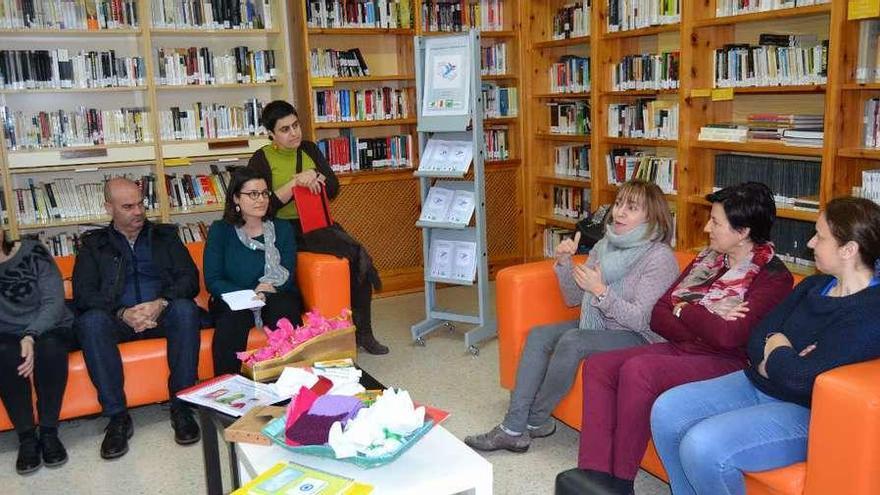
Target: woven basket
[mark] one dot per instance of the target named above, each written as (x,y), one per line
(337,344)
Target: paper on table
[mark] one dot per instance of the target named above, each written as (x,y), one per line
(242,299)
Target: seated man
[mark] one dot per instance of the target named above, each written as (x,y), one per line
(135,280)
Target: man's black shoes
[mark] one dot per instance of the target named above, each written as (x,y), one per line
(54,453)
(186,430)
(118,431)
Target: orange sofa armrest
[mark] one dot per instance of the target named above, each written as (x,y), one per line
(844,449)
(526,296)
(323,280)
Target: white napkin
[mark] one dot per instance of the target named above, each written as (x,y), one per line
(292,379)
(365,433)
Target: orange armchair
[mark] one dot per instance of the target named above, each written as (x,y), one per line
(324,283)
(844,447)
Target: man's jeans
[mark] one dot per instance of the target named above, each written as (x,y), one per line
(99,332)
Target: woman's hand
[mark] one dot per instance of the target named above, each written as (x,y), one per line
(262,289)
(310,179)
(567,248)
(26,368)
(773,342)
(589,279)
(735,312)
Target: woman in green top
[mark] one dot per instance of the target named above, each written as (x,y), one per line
(290,161)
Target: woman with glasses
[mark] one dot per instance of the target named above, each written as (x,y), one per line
(249,249)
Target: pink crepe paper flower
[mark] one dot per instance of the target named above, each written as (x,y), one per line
(285,338)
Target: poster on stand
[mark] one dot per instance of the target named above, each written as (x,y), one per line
(447,79)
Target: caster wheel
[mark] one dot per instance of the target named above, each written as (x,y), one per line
(420,342)
(474,350)
(450,327)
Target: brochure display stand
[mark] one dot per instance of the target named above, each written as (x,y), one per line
(450,127)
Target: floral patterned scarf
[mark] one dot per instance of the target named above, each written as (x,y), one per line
(703,285)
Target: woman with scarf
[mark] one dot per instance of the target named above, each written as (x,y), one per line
(706,318)
(249,249)
(628,269)
(707,433)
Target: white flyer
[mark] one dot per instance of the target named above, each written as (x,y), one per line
(465,265)
(436,204)
(462,207)
(441,258)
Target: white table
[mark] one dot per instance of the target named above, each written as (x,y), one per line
(438,464)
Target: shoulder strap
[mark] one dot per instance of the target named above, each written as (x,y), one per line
(299,159)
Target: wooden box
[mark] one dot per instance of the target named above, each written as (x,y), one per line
(338,344)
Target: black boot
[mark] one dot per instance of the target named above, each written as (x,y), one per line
(118,431)
(584,482)
(28,459)
(54,453)
(623,486)
(186,429)
(371,345)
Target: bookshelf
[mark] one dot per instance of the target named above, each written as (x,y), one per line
(695,32)
(379,206)
(222,135)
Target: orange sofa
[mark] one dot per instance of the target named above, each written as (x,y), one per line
(323,280)
(844,448)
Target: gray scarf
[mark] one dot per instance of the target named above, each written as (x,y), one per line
(273,273)
(616,254)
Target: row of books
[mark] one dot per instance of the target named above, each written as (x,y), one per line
(572,160)
(790,238)
(354,105)
(61,69)
(202,66)
(211,121)
(66,198)
(455,260)
(768,126)
(350,153)
(487,15)
(625,15)
(212,14)
(188,190)
(871,119)
(553,237)
(69,14)
(67,243)
(794,182)
(327,62)
(359,14)
(771,64)
(625,164)
(192,231)
(441,15)
(497,143)
(78,127)
(570,117)
(646,71)
(571,74)
(644,119)
(499,101)
(870,188)
(493,59)
(571,202)
(868,59)
(571,21)
(725,8)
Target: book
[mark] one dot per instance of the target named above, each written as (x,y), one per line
(230,394)
(290,477)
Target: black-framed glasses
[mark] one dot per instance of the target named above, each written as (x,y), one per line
(255,195)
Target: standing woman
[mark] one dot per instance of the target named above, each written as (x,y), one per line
(249,249)
(34,324)
(707,433)
(289,161)
(628,269)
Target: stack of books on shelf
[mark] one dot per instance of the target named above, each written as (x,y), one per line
(777,60)
(724,131)
(790,239)
(192,231)
(724,8)
(202,66)
(350,153)
(211,121)
(78,127)
(499,101)
(487,15)
(625,164)
(212,14)
(387,14)
(625,15)
(356,105)
(646,71)
(571,202)
(65,198)
(493,59)
(497,143)
(572,21)
(441,15)
(188,190)
(453,260)
(570,117)
(571,74)
(64,69)
(328,62)
(572,161)
(63,244)
(870,188)
(794,182)
(644,119)
(55,14)
(775,125)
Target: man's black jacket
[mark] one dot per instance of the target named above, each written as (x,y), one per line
(99,270)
